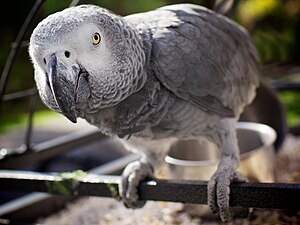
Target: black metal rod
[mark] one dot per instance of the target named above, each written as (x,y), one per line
(29,202)
(256,195)
(31,111)
(74,3)
(13,53)
(19,94)
(286,86)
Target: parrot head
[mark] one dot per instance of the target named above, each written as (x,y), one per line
(85,59)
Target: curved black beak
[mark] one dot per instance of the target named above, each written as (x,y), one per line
(62,89)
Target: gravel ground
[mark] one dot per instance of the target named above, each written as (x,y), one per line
(98,211)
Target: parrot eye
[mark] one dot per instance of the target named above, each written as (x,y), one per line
(96,39)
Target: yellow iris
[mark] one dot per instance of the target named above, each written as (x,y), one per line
(96,39)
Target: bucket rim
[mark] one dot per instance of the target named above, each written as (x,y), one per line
(267,133)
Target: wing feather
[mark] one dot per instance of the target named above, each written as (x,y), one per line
(201,56)
(206,59)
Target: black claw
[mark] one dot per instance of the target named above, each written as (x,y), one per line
(215,211)
(134,205)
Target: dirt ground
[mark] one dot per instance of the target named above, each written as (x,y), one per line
(98,211)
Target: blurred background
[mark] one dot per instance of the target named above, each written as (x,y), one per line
(273,24)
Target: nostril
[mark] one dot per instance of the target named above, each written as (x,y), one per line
(45,61)
(67,54)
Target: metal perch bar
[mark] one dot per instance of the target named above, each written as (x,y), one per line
(256,195)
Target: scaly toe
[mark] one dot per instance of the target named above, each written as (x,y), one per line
(218,195)
(211,195)
(132,176)
(238,177)
(223,191)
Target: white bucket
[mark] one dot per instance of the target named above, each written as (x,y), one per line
(198,159)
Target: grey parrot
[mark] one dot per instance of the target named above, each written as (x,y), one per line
(150,79)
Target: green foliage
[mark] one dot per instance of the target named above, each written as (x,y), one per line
(19,119)
(120,7)
(53,6)
(291,100)
(126,7)
(275,46)
(114,190)
(11,120)
(275,26)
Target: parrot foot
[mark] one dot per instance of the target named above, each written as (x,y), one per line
(133,174)
(219,190)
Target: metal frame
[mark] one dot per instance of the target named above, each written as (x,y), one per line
(254,195)
(39,201)
(18,158)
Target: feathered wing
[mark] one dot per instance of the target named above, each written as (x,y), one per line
(204,58)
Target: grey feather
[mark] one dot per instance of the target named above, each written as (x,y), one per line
(200,56)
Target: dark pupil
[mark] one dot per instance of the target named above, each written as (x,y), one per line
(96,37)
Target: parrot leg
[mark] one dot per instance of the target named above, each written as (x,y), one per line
(219,183)
(219,188)
(154,152)
(133,174)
